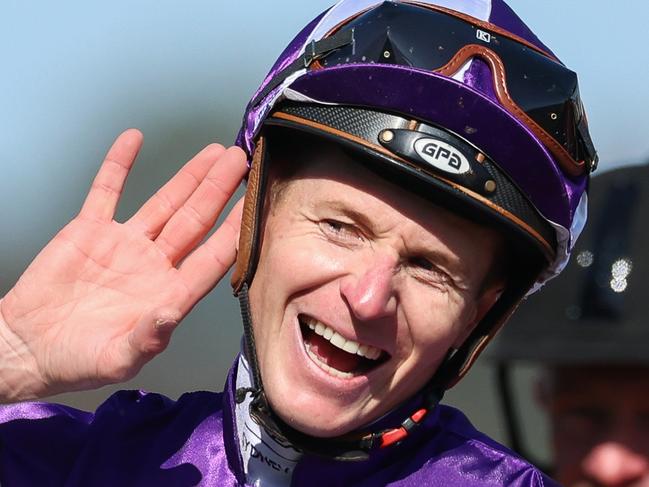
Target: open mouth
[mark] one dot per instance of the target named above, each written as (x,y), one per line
(335,354)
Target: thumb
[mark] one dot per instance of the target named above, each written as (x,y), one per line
(152,333)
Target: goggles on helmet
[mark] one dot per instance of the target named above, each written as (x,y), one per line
(530,83)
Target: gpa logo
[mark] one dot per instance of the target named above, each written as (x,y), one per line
(441,155)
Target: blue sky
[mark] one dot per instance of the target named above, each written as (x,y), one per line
(75,73)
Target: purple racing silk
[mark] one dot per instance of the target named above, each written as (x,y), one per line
(140,439)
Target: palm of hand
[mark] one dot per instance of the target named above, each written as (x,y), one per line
(102,298)
(85,293)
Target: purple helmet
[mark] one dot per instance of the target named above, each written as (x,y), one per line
(457,100)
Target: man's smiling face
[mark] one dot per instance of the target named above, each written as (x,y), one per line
(360,290)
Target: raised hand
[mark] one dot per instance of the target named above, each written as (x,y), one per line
(102,298)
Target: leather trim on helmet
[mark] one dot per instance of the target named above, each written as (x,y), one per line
(251,209)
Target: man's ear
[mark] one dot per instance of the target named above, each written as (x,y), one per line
(480,308)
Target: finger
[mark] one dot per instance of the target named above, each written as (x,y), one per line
(207,265)
(197,216)
(153,215)
(101,202)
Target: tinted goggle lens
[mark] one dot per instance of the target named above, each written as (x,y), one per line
(423,38)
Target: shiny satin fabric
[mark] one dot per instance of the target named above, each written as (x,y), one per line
(140,439)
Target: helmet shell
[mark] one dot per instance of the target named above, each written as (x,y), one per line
(595,312)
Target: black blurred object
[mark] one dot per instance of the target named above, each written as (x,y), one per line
(596,310)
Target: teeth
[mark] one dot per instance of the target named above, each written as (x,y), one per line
(374,353)
(337,340)
(341,342)
(319,328)
(351,346)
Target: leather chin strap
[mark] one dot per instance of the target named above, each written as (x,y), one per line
(253,204)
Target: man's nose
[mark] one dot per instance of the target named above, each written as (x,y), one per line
(370,288)
(613,464)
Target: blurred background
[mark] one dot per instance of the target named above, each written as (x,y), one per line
(75,74)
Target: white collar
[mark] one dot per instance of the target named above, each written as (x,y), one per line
(266,462)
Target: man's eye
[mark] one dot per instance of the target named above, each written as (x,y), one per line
(340,230)
(426,270)
(421,263)
(334,226)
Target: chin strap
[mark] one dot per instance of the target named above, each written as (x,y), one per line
(352,447)
(249,342)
